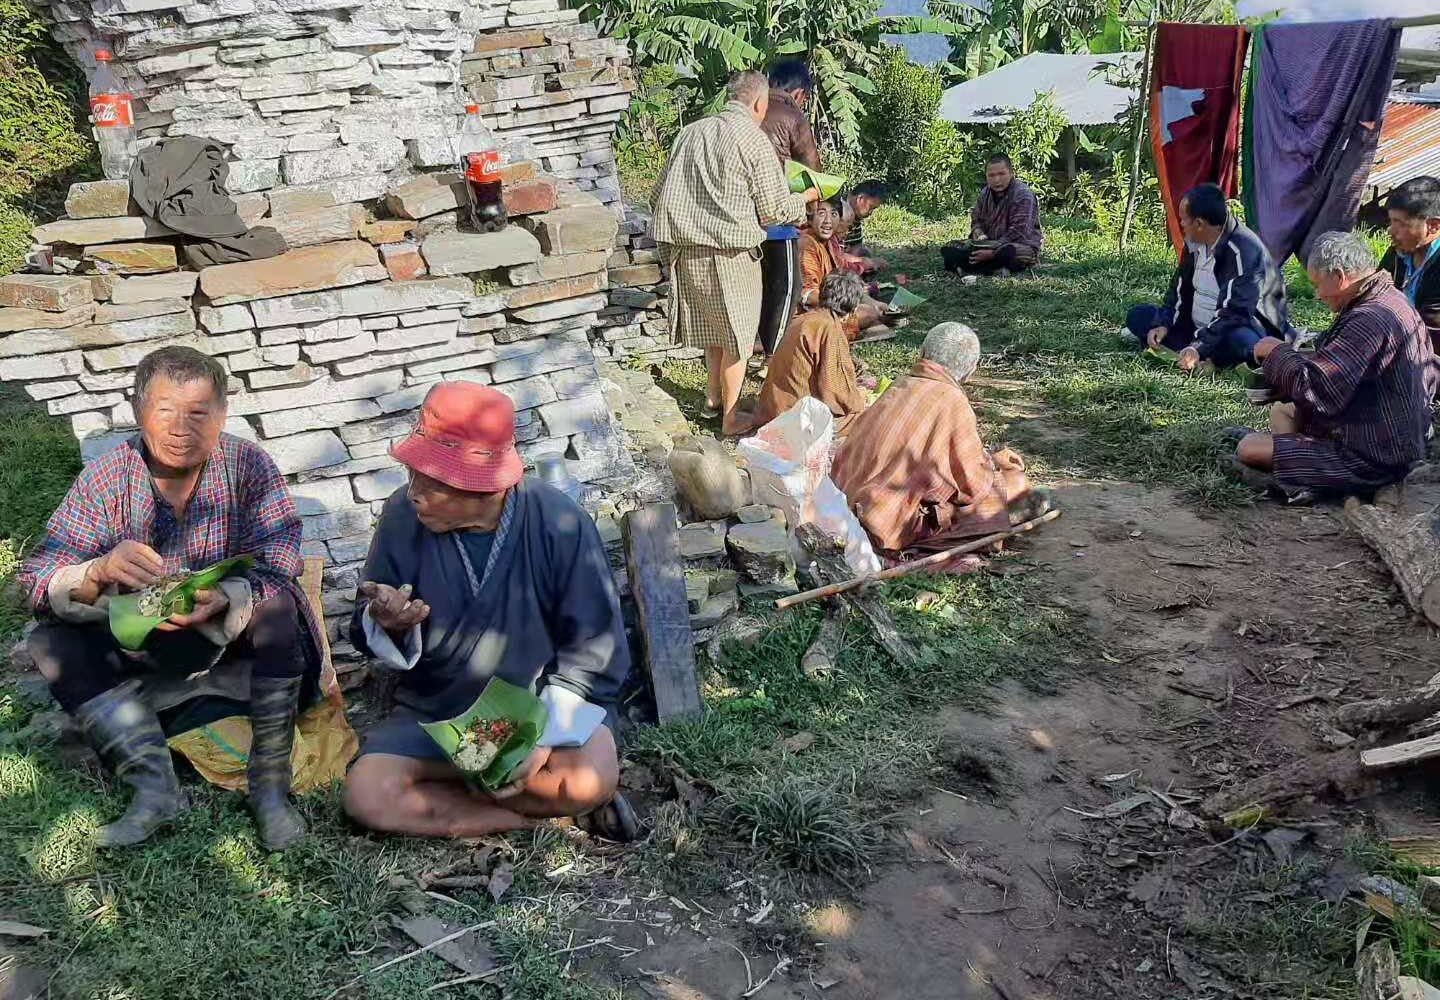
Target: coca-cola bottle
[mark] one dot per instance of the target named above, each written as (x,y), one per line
(480,163)
(114,119)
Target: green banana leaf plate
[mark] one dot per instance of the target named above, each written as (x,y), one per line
(499,700)
(905,299)
(131,628)
(802,178)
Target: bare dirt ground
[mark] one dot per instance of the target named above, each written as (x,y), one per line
(1060,853)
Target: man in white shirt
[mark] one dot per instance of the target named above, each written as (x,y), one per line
(1225,296)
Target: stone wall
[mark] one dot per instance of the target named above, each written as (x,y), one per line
(332,113)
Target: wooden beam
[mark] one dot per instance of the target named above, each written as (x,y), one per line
(1409,752)
(1422,852)
(657,582)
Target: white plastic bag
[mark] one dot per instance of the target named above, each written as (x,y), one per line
(789,463)
(789,456)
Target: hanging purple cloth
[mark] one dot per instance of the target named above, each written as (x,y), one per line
(1319,95)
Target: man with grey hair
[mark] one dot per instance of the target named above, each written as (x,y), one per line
(178,496)
(721,187)
(1353,415)
(814,357)
(913,466)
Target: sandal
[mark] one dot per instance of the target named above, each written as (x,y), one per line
(615,820)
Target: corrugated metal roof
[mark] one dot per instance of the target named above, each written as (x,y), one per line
(1409,144)
(1077,81)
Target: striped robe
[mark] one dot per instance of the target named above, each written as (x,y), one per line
(1359,399)
(916,473)
(720,188)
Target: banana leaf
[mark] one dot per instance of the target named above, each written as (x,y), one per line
(131,628)
(905,299)
(499,700)
(802,178)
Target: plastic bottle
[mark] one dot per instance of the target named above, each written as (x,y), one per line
(480,162)
(114,120)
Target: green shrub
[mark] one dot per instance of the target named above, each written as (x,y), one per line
(44,142)
(1031,137)
(949,169)
(898,118)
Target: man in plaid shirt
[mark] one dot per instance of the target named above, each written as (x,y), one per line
(721,187)
(178,496)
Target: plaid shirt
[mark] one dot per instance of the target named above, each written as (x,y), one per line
(1013,217)
(240,507)
(722,185)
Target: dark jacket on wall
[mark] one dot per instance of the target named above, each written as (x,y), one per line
(788,129)
(1252,290)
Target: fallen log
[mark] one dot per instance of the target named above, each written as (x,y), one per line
(1391,711)
(820,659)
(1376,972)
(1338,774)
(1409,752)
(1407,537)
(825,564)
(847,582)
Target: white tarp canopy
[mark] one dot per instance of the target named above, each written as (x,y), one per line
(1081,85)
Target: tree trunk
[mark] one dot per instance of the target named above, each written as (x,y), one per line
(1338,773)
(820,659)
(1392,711)
(825,563)
(1409,544)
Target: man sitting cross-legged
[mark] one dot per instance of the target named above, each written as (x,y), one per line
(476,573)
(1226,294)
(1005,234)
(178,496)
(1354,414)
(814,358)
(913,466)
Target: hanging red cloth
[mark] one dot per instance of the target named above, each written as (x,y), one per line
(1195,110)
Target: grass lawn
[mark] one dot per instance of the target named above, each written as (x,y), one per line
(203,908)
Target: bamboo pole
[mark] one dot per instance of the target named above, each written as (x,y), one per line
(938,559)
(1139,130)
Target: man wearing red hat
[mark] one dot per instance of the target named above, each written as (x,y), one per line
(475,573)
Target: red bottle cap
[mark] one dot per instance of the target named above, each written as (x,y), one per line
(103,55)
(472,109)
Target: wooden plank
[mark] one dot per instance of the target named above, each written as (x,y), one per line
(310,578)
(1392,900)
(1409,752)
(657,583)
(1420,851)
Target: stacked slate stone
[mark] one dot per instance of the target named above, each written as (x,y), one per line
(330,112)
(343,95)
(332,345)
(636,322)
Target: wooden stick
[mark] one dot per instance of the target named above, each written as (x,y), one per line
(1139,136)
(938,559)
(483,925)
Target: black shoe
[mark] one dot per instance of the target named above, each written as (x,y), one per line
(273,704)
(126,734)
(615,820)
(1257,479)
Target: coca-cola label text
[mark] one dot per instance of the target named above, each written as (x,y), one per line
(111,111)
(483,168)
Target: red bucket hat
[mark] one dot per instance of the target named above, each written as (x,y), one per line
(465,438)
